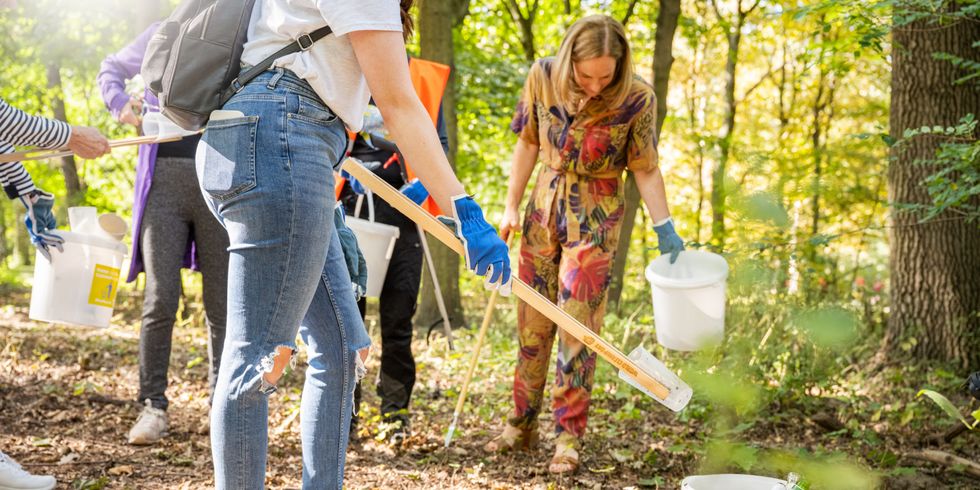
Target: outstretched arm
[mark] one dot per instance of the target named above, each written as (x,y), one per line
(20,128)
(119,67)
(381,55)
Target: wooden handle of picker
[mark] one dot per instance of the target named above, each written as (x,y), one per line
(63,152)
(533,298)
(487,317)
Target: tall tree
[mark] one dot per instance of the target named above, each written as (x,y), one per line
(822,112)
(437,20)
(523,16)
(68,168)
(732,26)
(663,59)
(935,266)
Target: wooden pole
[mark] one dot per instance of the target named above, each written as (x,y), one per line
(487,316)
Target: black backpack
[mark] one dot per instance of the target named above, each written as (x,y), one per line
(193,61)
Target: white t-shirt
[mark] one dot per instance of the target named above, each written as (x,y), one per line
(329,66)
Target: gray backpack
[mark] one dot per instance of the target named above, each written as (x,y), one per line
(193,61)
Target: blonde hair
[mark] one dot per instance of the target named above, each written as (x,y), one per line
(588,38)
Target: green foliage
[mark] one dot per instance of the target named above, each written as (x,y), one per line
(91,484)
(868,20)
(954,185)
(70,38)
(950,409)
(833,328)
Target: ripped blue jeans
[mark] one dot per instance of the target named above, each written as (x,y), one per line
(268,177)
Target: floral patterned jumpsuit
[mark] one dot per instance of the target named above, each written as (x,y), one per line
(571,228)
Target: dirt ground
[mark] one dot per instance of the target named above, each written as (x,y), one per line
(66,404)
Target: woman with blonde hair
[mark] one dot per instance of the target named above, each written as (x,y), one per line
(588,118)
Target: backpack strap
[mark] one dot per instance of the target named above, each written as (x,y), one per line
(302,43)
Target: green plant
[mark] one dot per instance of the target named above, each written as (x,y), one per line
(954,186)
(950,409)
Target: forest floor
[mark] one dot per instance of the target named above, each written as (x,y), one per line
(66,405)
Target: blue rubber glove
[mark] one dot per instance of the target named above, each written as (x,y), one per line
(668,241)
(40,221)
(485,253)
(415,191)
(356,266)
(355,186)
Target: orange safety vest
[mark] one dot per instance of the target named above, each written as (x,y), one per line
(430,80)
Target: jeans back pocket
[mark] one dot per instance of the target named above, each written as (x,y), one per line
(313,112)
(227,166)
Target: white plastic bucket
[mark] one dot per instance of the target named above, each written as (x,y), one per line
(733,482)
(78,286)
(689,299)
(377,242)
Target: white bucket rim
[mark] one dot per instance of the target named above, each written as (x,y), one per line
(373,227)
(768,480)
(672,283)
(91,240)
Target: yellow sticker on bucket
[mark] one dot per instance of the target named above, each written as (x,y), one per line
(105,280)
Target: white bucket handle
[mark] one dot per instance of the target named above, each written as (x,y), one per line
(391,248)
(370,201)
(357,212)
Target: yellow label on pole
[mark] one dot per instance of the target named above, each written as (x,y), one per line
(105,281)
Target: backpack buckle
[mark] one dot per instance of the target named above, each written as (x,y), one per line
(236,86)
(304,42)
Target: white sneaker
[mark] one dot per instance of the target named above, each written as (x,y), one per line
(14,477)
(150,427)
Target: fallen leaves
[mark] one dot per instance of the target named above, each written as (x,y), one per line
(121,470)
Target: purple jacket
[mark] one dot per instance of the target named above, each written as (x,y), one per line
(116,69)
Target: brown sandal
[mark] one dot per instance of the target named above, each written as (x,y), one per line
(565,459)
(512,439)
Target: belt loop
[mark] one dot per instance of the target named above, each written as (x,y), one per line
(275,78)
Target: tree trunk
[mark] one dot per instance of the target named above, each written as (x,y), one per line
(815,140)
(935,267)
(663,58)
(629,12)
(718,192)
(436,21)
(525,22)
(68,168)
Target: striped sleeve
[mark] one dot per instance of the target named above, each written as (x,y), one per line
(20,128)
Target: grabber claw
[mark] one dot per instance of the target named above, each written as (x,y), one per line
(680,392)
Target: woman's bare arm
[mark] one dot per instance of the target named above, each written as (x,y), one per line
(522,164)
(381,55)
(651,186)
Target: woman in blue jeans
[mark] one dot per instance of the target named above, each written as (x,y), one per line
(265,166)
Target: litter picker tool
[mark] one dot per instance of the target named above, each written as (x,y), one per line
(640,369)
(157,130)
(487,316)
